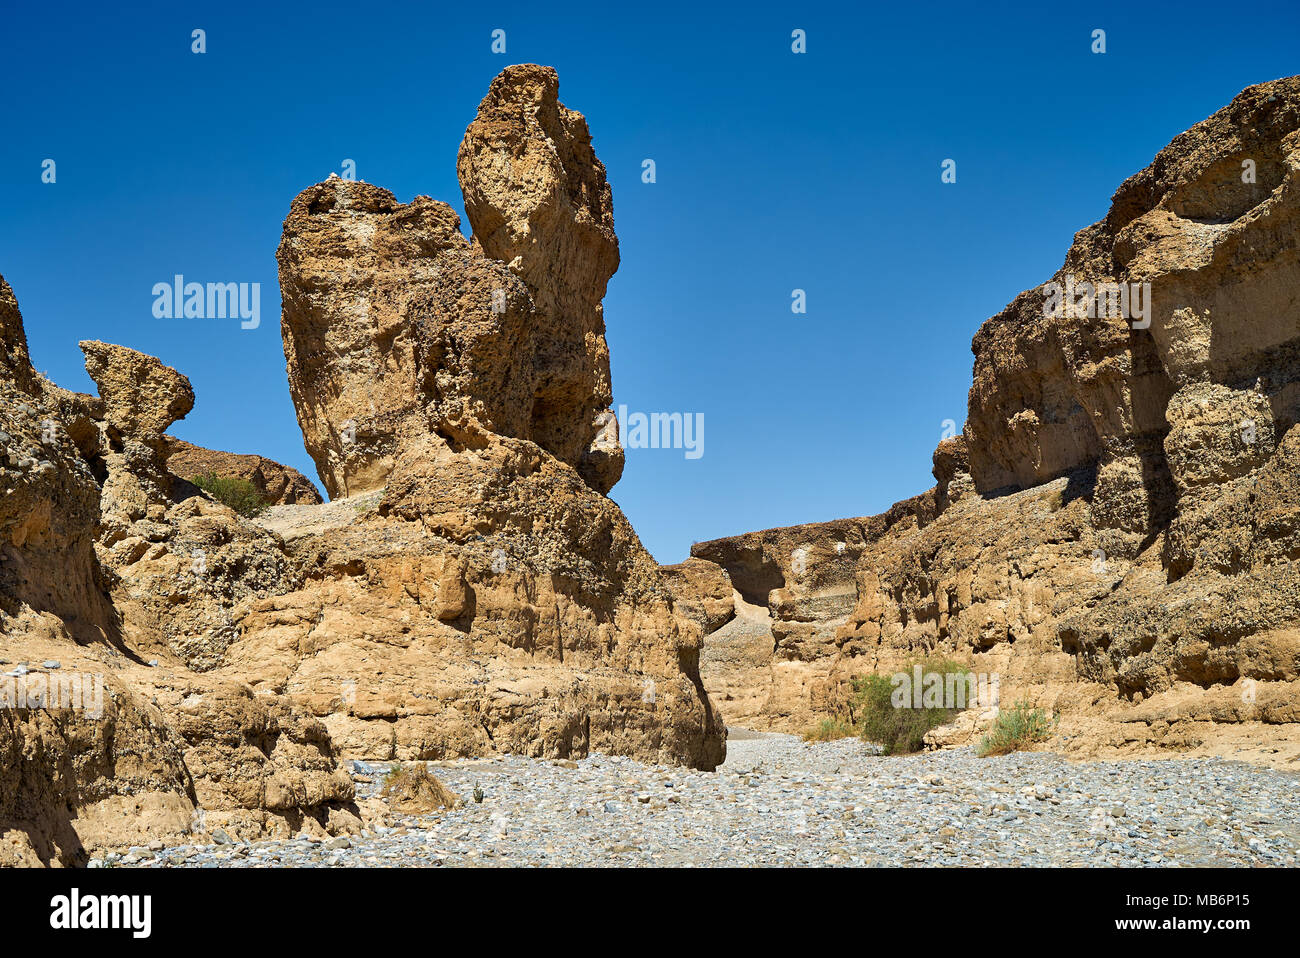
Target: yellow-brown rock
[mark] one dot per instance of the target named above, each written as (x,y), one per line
(478,592)
(278,485)
(538,200)
(1115,533)
(98,749)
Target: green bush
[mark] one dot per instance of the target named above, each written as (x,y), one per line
(240,494)
(900,729)
(1016,728)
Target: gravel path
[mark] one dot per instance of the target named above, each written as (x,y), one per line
(780,801)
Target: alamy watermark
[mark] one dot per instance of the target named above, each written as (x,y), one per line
(1075,300)
(79,691)
(181,300)
(661,430)
(75,911)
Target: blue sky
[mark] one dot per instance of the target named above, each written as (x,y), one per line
(775,171)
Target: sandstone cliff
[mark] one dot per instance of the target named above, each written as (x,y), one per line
(1115,532)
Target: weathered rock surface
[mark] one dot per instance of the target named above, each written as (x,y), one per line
(702,590)
(471,591)
(794,587)
(278,485)
(98,749)
(538,200)
(1211,226)
(479,592)
(1114,533)
(395,326)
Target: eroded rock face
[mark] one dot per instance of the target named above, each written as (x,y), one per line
(487,600)
(1211,225)
(15,364)
(278,485)
(794,586)
(97,749)
(140,397)
(538,200)
(396,326)
(703,591)
(49,508)
(481,594)
(1114,534)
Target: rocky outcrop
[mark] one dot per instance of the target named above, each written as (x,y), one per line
(537,198)
(140,398)
(395,326)
(99,748)
(1203,242)
(15,365)
(49,578)
(1113,534)
(277,485)
(794,586)
(478,592)
(702,590)
(469,590)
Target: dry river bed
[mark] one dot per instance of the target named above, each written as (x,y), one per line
(781,801)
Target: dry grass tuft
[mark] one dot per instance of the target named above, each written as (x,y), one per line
(412,788)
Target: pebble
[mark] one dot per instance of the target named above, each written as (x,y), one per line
(781,801)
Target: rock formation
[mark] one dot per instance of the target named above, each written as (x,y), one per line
(469,590)
(478,591)
(278,485)
(703,592)
(97,747)
(539,202)
(1114,533)
(1211,226)
(397,327)
(793,588)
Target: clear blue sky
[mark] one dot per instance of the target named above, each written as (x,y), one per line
(775,171)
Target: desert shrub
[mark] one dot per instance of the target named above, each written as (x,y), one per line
(1014,729)
(828,730)
(414,788)
(900,728)
(239,494)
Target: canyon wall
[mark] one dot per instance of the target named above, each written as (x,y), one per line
(1115,532)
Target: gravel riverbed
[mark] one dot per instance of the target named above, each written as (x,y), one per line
(781,801)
